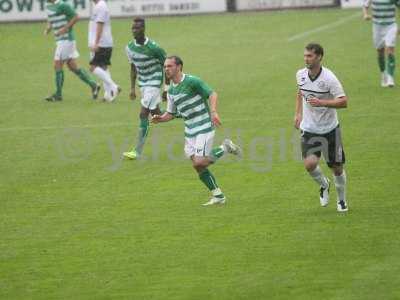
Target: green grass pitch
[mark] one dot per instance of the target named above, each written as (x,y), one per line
(77,222)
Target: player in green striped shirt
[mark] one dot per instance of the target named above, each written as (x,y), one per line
(196,102)
(384,35)
(147,61)
(61,19)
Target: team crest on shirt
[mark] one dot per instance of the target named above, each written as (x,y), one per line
(322,85)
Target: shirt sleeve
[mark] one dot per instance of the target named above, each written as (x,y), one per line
(202,88)
(171,107)
(366,3)
(335,87)
(67,9)
(102,15)
(160,54)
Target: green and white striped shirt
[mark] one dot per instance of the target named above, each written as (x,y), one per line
(149,62)
(59,14)
(383,11)
(189,98)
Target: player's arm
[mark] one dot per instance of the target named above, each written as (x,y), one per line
(47,29)
(162,56)
(99,32)
(213,99)
(339,102)
(73,18)
(168,115)
(366,5)
(132,94)
(165,117)
(298,116)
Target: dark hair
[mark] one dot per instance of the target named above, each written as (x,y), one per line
(177,59)
(139,20)
(316,48)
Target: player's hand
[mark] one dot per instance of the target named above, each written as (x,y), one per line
(62,31)
(215,119)
(164,96)
(297,121)
(155,119)
(132,94)
(367,17)
(315,102)
(94,48)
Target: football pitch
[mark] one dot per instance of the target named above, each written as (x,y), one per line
(79,222)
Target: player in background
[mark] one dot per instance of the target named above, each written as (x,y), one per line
(146,58)
(61,18)
(319,95)
(101,44)
(384,34)
(196,103)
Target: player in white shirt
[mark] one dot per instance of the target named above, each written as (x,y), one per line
(100,44)
(319,95)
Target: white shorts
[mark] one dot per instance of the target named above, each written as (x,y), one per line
(384,35)
(151,97)
(66,50)
(200,145)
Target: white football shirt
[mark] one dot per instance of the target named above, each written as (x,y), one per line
(100,14)
(325,85)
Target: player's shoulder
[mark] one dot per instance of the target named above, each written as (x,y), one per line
(192,78)
(152,44)
(301,75)
(301,72)
(130,46)
(328,74)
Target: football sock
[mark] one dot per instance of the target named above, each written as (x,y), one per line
(85,77)
(105,76)
(381,62)
(391,64)
(340,183)
(142,134)
(217,153)
(319,177)
(209,181)
(59,82)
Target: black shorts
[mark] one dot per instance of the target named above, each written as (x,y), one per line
(102,57)
(329,144)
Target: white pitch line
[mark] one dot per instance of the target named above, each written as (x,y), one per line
(324,27)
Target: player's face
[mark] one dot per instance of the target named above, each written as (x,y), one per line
(171,68)
(311,59)
(138,30)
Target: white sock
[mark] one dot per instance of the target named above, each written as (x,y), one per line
(340,183)
(319,177)
(105,77)
(216,192)
(106,86)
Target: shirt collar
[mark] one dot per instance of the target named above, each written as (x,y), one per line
(182,79)
(146,40)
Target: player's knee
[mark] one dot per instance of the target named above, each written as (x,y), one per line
(198,165)
(144,114)
(337,170)
(310,165)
